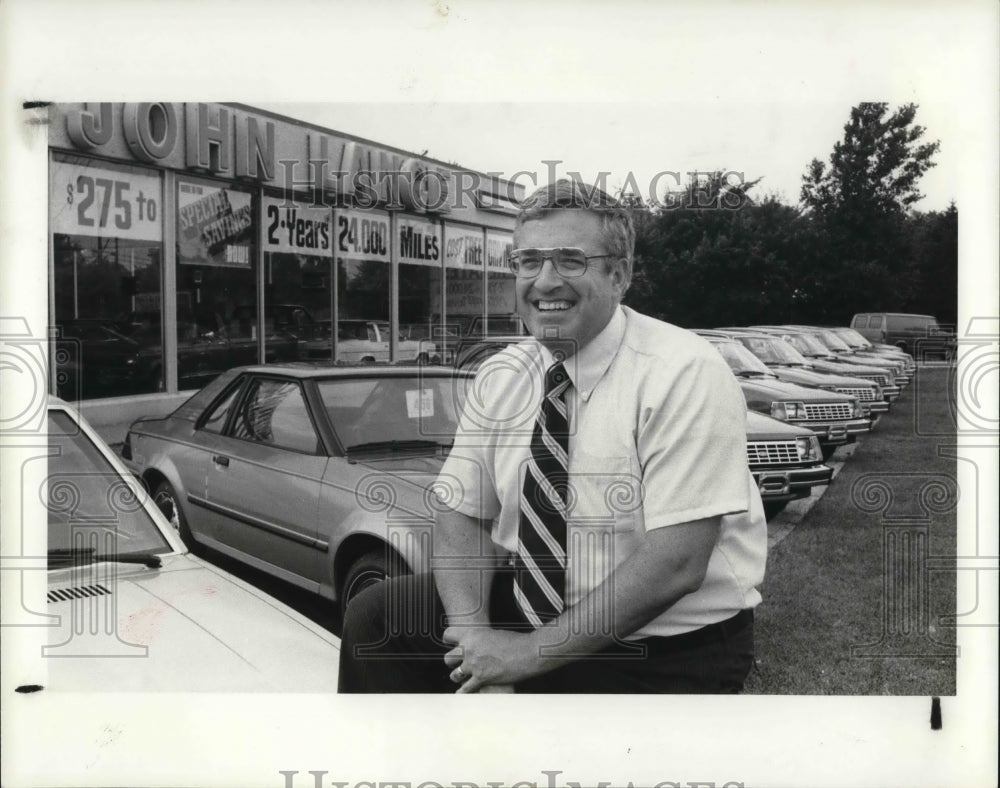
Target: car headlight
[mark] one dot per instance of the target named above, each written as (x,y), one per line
(788,410)
(808,448)
(858,410)
(878,392)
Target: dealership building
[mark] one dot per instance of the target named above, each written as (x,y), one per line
(186,239)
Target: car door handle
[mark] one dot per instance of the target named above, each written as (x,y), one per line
(219,459)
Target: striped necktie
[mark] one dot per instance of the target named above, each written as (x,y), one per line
(540,560)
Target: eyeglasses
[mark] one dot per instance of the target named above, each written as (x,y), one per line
(569,261)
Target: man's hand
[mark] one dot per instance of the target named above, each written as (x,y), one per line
(489,658)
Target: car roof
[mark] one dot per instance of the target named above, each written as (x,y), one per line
(306,371)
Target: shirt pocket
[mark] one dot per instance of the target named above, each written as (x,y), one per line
(605,492)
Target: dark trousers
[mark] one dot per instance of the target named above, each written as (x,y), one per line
(392,642)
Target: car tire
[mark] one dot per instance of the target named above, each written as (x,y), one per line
(772,508)
(422,360)
(166,500)
(371,568)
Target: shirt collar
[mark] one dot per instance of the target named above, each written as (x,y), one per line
(587,367)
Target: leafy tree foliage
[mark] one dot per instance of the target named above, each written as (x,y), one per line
(714,255)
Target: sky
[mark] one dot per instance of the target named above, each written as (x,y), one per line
(653,144)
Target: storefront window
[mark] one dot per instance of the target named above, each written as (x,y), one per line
(107,230)
(363,287)
(419,254)
(501,304)
(216,281)
(297,240)
(464,278)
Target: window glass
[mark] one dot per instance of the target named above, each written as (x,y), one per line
(216,281)
(465,281)
(500,300)
(394,409)
(107,230)
(216,420)
(361,246)
(875,321)
(419,253)
(297,240)
(274,413)
(89,504)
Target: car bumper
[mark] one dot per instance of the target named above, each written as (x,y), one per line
(835,433)
(787,484)
(890,393)
(875,409)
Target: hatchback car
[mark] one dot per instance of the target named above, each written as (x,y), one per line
(132,610)
(318,476)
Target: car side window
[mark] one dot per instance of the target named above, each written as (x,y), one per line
(215,421)
(274,413)
(860,321)
(875,321)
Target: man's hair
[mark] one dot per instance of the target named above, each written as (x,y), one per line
(563,194)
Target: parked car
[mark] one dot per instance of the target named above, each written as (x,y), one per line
(842,350)
(315,475)
(836,419)
(367,342)
(792,367)
(133,610)
(823,360)
(861,345)
(919,335)
(786,461)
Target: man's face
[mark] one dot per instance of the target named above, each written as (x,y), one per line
(565,313)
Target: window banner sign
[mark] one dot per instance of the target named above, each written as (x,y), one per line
(498,246)
(463,247)
(295,228)
(214,226)
(361,235)
(418,241)
(104,203)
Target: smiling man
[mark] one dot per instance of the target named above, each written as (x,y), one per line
(600,530)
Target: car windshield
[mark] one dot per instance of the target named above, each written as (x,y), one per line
(853,338)
(91,509)
(787,352)
(808,344)
(740,360)
(832,341)
(382,411)
(772,350)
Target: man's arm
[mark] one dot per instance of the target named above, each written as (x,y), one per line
(463,565)
(670,564)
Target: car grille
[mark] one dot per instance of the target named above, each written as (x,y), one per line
(771,452)
(865,394)
(831,410)
(882,380)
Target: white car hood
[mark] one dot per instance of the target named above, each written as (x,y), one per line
(183,627)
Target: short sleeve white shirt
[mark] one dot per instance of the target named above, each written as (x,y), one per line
(657,437)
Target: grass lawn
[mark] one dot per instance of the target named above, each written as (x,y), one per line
(854,573)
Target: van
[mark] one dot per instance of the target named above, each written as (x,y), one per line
(918,335)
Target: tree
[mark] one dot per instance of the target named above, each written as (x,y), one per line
(860,203)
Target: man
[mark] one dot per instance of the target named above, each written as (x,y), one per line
(605,458)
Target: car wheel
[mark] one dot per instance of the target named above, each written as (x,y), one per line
(367,361)
(371,568)
(771,508)
(166,500)
(423,360)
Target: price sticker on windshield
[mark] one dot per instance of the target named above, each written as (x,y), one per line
(100,202)
(420,403)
